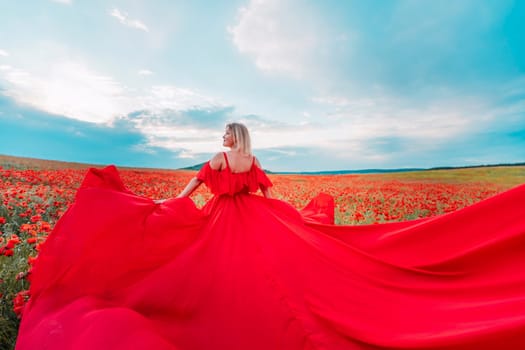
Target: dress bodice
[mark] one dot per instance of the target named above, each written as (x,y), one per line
(225,181)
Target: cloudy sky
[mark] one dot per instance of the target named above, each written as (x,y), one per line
(322,85)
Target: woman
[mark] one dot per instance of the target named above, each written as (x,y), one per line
(248,272)
(241,161)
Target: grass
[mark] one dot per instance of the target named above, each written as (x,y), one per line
(506,176)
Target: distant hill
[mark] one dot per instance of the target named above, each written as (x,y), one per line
(342,172)
(478,166)
(195,167)
(400,170)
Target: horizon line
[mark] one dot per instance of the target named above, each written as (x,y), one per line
(196,167)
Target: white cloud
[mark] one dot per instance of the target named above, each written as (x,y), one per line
(67,2)
(73,90)
(70,89)
(162,97)
(124,19)
(182,132)
(196,131)
(144,72)
(342,125)
(168,120)
(4,53)
(373,131)
(365,119)
(277,35)
(186,138)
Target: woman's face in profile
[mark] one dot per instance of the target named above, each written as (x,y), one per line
(227,138)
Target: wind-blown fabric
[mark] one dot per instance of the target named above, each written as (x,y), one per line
(246,272)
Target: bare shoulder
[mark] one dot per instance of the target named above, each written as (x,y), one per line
(217,161)
(256,161)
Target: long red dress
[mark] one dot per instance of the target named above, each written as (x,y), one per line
(246,272)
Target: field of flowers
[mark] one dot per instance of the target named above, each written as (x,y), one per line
(34,196)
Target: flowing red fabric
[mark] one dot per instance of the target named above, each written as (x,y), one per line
(246,272)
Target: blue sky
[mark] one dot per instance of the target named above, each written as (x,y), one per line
(322,85)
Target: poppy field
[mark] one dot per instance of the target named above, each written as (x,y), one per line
(35,194)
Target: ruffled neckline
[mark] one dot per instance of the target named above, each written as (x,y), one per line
(225,181)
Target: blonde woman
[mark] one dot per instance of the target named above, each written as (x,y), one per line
(238,168)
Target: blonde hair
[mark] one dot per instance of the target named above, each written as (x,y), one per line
(241,137)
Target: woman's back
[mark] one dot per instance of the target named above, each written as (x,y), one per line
(234,161)
(237,162)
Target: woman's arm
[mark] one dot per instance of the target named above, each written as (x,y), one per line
(216,162)
(188,190)
(265,190)
(190,187)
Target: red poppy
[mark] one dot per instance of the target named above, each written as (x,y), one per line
(31,240)
(36,218)
(19,302)
(9,252)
